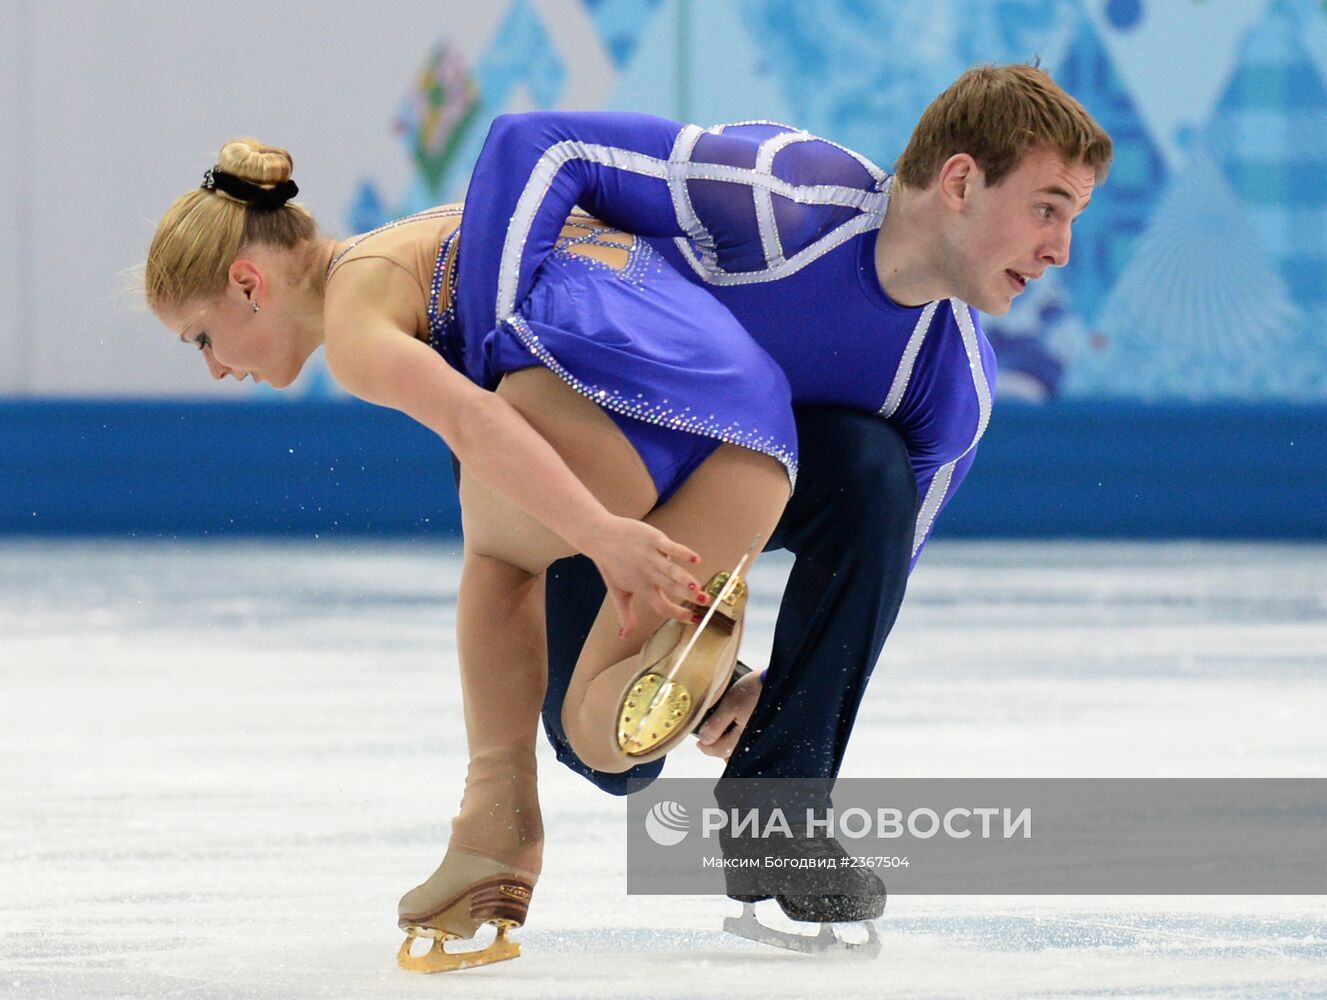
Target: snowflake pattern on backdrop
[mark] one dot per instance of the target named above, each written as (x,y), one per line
(438,111)
(1199,293)
(1148,306)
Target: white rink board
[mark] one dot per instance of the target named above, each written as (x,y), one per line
(222,764)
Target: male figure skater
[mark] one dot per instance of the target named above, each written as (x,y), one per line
(864,287)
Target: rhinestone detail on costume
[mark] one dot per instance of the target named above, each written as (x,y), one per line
(432,213)
(641,257)
(441,323)
(656,413)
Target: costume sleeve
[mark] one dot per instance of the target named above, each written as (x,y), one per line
(533,170)
(718,190)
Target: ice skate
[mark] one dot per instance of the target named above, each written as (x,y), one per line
(467,891)
(740,670)
(829,940)
(686,670)
(843,899)
(490,869)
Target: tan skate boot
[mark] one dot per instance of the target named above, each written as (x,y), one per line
(685,670)
(488,874)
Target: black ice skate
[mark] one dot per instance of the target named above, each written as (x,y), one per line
(838,896)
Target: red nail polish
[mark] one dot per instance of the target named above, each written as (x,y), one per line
(695,619)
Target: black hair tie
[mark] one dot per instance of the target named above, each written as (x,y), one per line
(253,195)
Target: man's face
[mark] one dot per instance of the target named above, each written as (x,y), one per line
(1008,234)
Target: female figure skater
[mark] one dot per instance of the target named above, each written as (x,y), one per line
(611,408)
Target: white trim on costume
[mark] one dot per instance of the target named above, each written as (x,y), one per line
(931,505)
(807,255)
(904,374)
(940,483)
(769,229)
(969,331)
(677,189)
(676,171)
(541,178)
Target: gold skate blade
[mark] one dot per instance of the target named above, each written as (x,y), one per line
(722,593)
(654,710)
(438,959)
(728,589)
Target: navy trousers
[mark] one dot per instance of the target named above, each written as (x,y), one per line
(850,527)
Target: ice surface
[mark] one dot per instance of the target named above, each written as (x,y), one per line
(221,764)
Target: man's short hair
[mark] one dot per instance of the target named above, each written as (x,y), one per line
(995,114)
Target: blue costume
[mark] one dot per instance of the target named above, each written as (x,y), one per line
(674,370)
(779,227)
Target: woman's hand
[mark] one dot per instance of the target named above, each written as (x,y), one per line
(638,560)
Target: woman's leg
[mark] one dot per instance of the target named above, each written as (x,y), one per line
(500,611)
(734,496)
(498,833)
(503,658)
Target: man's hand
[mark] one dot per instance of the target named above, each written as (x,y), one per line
(722,730)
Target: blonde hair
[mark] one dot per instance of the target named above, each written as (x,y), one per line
(995,114)
(202,232)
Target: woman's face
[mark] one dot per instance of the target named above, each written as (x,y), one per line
(265,345)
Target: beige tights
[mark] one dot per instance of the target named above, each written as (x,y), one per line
(733,495)
(500,625)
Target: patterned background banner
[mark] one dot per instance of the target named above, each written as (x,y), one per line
(1200,271)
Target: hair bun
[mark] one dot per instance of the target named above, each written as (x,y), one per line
(251,160)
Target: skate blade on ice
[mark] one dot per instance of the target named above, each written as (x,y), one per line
(826,942)
(438,959)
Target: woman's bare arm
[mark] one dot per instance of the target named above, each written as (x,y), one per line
(372,354)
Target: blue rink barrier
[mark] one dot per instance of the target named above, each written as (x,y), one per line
(167,469)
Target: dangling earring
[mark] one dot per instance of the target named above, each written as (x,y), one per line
(255,307)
